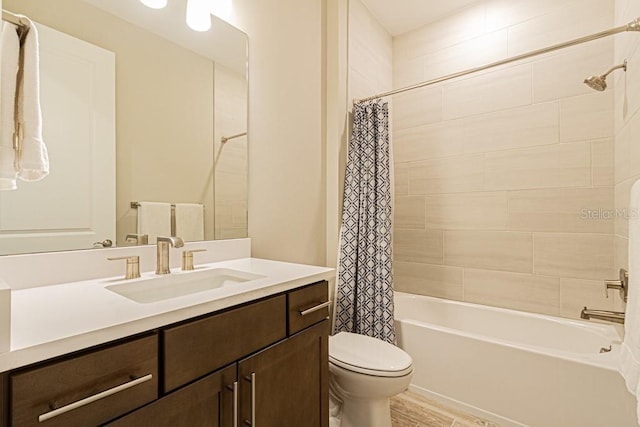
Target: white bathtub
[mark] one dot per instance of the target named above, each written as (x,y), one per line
(514,368)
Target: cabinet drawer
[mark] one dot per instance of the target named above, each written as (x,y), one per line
(87,389)
(197,348)
(302,305)
(206,402)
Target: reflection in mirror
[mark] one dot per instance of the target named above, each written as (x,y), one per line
(175,95)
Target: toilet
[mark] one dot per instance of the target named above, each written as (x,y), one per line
(364,373)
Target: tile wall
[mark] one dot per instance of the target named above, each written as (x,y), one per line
(231,159)
(504,180)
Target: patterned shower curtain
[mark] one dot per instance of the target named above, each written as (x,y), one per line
(364,298)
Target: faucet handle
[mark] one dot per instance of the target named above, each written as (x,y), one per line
(187,259)
(621,285)
(133,266)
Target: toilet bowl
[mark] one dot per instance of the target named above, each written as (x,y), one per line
(364,372)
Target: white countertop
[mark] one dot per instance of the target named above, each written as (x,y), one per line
(53,320)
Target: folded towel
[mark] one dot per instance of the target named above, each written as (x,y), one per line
(630,352)
(189,221)
(32,159)
(9,53)
(154,219)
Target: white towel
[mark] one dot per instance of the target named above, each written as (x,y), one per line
(630,352)
(9,55)
(154,219)
(190,221)
(32,158)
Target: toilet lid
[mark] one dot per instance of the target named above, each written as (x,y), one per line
(367,355)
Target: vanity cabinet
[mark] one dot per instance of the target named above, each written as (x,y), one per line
(87,388)
(206,402)
(264,363)
(286,384)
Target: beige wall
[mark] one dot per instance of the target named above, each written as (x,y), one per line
(287,207)
(231,158)
(164,109)
(627,123)
(493,171)
(370,54)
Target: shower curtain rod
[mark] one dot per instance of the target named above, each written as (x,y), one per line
(631,26)
(14,19)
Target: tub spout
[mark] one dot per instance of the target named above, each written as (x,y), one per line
(609,316)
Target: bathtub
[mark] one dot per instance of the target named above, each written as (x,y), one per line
(514,368)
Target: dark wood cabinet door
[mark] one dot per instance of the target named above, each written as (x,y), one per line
(205,403)
(290,382)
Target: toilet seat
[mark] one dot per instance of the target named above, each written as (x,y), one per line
(369,356)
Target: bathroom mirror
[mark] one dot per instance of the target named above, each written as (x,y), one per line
(177,93)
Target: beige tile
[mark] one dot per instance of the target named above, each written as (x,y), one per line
(577,293)
(418,246)
(525,292)
(602,158)
(622,212)
(454,29)
(506,13)
(622,252)
(580,256)
(493,91)
(427,142)
(409,212)
(407,72)
(634,149)
(401,179)
(425,279)
(561,76)
(231,186)
(587,117)
(448,175)
(493,250)
(417,108)
(569,20)
(559,165)
(468,211)
(522,127)
(632,83)
(475,52)
(585,210)
(622,153)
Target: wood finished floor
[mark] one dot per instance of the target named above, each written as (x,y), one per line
(412,410)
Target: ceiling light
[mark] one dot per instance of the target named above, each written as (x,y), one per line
(199,15)
(154,4)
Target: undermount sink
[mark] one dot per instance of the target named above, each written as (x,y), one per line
(160,288)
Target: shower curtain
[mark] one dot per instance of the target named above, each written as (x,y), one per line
(364,296)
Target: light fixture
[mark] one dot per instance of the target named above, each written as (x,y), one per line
(154,4)
(199,15)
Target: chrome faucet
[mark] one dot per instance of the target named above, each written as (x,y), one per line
(609,316)
(162,262)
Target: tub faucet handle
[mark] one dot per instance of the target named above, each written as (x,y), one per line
(622,285)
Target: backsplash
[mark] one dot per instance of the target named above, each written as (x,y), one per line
(33,270)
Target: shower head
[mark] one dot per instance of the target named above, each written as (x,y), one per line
(599,83)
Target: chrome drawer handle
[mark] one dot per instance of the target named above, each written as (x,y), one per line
(234,388)
(252,380)
(314,308)
(95,397)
